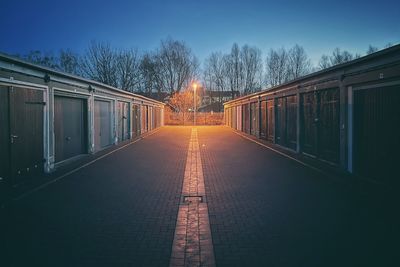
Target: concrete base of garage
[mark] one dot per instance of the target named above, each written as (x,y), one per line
(264,209)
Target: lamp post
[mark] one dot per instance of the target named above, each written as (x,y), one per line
(194,102)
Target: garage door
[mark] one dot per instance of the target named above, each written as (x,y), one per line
(376,133)
(102,124)
(5,179)
(69,127)
(253,118)
(270,120)
(123,121)
(135,121)
(286,121)
(320,124)
(21,138)
(143,114)
(246,118)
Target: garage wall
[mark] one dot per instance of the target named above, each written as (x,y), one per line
(48,118)
(344,116)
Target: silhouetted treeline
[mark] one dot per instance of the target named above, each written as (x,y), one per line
(173,66)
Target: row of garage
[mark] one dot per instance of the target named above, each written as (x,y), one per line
(347,116)
(49,118)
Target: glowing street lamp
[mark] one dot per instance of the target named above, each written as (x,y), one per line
(194,101)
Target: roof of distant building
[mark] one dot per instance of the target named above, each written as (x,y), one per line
(221,93)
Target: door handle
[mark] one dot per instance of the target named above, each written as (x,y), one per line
(68,138)
(13,136)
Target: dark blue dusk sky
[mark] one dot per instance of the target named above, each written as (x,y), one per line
(206,26)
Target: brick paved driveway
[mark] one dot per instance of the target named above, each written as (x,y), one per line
(120,211)
(265,210)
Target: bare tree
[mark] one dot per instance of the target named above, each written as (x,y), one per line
(128,69)
(45,59)
(66,61)
(252,67)
(69,62)
(177,66)
(388,45)
(148,73)
(228,72)
(169,69)
(324,62)
(339,57)
(276,67)
(214,74)
(100,63)
(298,62)
(237,67)
(184,101)
(233,69)
(208,76)
(372,49)
(151,73)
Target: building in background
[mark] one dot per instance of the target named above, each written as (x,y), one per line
(213,100)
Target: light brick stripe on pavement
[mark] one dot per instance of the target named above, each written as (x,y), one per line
(192,245)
